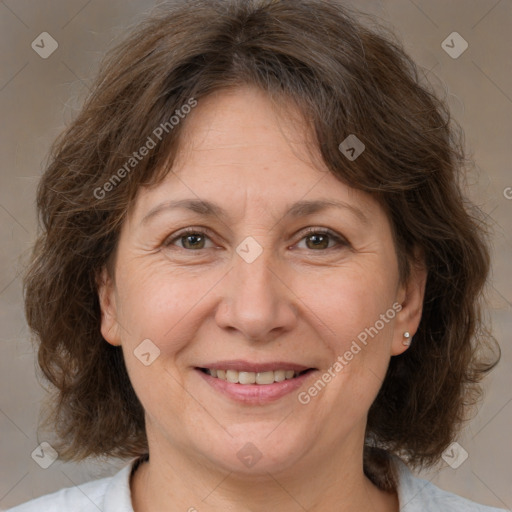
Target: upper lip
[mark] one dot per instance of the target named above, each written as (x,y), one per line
(246,366)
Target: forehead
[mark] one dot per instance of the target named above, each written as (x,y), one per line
(217,117)
(241,145)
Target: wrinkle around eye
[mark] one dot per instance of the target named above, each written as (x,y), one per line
(336,241)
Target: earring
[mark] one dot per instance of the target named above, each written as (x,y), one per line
(407,338)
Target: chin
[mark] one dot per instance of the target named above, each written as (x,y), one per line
(247,453)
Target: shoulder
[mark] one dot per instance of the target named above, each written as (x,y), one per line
(419,495)
(108,495)
(83,498)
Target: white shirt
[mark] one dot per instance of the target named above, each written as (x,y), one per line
(113,495)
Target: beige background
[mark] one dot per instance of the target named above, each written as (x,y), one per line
(39,96)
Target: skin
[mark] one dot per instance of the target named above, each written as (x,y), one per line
(198,300)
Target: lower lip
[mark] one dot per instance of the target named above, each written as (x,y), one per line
(255,393)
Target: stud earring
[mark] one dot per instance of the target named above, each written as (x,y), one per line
(407,338)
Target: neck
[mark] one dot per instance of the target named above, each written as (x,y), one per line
(176,481)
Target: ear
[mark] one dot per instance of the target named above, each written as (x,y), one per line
(106,294)
(410,297)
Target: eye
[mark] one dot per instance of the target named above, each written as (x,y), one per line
(191,238)
(319,239)
(316,239)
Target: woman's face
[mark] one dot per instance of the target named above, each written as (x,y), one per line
(253,292)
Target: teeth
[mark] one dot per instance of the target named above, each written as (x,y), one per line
(237,377)
(232,376)
(247,378)
(279,376)
(265,377)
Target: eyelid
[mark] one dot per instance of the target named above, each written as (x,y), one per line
(186,231)
(340,239)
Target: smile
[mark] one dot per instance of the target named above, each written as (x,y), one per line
(254,384)
(246,378)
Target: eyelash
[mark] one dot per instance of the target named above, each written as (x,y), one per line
(341,241)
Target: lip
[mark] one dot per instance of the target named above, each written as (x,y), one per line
(256,394)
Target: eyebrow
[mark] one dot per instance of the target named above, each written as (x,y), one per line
(298,209)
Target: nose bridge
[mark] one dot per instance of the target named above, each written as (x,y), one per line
(252,272)
(258,303)
(254,285)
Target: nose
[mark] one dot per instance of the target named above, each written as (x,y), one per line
(258,300)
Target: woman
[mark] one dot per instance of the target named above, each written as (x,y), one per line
(257,277)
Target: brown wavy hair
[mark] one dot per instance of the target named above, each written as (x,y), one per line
(348,75)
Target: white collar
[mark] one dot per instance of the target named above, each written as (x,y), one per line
(414,494)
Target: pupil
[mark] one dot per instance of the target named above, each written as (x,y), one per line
(192,237)
(318,239)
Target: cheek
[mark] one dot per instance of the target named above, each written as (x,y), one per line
(360,316)
(154,305)
(352,301)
